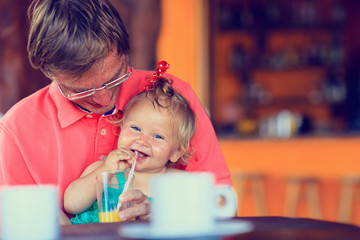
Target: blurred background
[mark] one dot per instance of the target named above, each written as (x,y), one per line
(283,68)
(279,78)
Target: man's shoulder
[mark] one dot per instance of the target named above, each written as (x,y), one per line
(143,74)
(27,107)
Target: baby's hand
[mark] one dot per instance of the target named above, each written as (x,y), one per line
(119,159)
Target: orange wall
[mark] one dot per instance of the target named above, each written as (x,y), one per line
(177,40)
(323,157)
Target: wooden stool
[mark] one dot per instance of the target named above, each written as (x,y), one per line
(257,186)
(293,194)
(348,187)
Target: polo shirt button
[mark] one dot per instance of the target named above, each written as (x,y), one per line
(103,132)
(89,116)
(103,157)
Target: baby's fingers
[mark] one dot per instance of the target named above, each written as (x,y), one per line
(126,157)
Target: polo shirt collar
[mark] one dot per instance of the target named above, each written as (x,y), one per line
(68,113)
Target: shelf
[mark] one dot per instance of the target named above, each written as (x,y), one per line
(261,68)
(286,101)
(325,28)
(291,70)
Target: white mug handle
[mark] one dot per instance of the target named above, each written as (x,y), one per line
(230,204)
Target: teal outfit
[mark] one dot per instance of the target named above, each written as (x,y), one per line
(91,215)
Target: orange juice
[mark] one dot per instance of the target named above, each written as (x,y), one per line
(109,217)
(105,217)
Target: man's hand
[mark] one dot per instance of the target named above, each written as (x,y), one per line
(141,208)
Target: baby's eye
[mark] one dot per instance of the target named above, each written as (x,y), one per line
(136,128)
(158,137)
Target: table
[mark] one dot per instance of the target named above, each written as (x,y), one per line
(269,228)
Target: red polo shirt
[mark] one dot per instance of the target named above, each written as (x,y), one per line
(46,139)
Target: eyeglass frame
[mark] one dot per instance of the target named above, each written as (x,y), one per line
(92,91)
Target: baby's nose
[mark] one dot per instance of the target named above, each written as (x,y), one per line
(142,141)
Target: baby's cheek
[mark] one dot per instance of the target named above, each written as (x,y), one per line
(129,134)
(156,145)
(125,136)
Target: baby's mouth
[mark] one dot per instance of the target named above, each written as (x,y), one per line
(140,154)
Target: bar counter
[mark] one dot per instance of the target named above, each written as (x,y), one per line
(329,159)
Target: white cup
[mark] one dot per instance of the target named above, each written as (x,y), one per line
(185,203)
(29,212)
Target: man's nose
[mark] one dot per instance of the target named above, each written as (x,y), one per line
(102,97)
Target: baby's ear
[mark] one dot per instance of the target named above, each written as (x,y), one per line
(176,156)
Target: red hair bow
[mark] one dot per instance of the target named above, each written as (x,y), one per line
(162,67)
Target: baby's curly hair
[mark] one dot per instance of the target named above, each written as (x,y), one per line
(163,95)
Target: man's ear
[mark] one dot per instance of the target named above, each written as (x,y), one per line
(176,155)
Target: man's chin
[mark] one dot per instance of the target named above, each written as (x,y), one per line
(98,110)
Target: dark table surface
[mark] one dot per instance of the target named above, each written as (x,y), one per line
(269,228)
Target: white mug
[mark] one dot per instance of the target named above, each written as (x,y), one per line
(187,203)
(29,212)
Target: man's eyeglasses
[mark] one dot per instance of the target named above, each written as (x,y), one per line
(92,91)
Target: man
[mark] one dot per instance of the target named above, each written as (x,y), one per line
(52,135)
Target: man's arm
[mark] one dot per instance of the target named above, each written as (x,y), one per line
(208,156)
(13,168)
